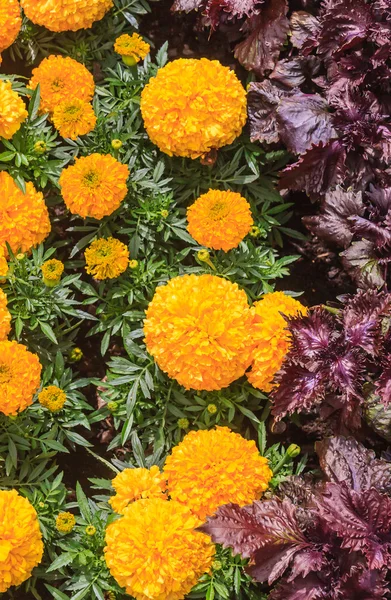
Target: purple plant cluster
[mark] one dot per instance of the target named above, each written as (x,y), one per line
(327,540)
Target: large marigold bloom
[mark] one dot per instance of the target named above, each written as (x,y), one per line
(192,106)
(61,79)
(211,468)
(3,261)
(106,259)
(24,218)
(136,484)
(5,317)
(73,118)
(21,546)
(10,23)
(270,337)
(154,551)
(219,219)
(94,186)
(65,15)
(12,110)
(197,330)
(20,373)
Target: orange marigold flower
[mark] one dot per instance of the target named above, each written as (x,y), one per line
(94,186)
(270,337)
(61,79)
(193,106)
(3,260)
(157,537)
(134,484)
(21,546)
(106,259)
(73,118)
(12,110)
(24,218)
(65,15)
(211,468)
(10,23)
(5,317)
(20,374)
(219,219)
(53,398)
(197,330)
(132,48)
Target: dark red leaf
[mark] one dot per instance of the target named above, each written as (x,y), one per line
(263,99)
(304,121)
(363,318)
(265,36)
(344,25)
(298,390)
(293,72)
(305,30)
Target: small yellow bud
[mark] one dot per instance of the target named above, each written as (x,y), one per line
(116,144)
(255,231)
(183,423)
(129,61)
(112,406)
(41,504)
(76,354)
(133,264)
(164,213)
(90,530)
(212,409)
(204,256)
(40,147)
(20,256)
(216,565)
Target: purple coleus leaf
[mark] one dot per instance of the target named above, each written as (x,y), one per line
(363,317)
(299,389)
(309,588)
(304,121)
(265,36)
(361,262)
(380,199)
(214,10)
(263,100)
(362,520)
(267,532)
(312,334)
(293,72)
(319,169)
(368,584)
(305,29)
(344,460)
(333,224)
(383,383)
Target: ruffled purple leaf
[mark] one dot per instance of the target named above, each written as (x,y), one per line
(263,100)
(304,121)
(293,72)
(214,10)
(319,169)
(364,585)
(312,334)
(363,317)
(333,224)
(383,384)
(265,35)
(305,29)
(344,460)
(299,389)
(361,262)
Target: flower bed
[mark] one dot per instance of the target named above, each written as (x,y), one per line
(195,380)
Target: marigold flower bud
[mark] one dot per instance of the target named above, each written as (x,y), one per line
(20,256)
(65,522)
(164,213)
(293,450)
(90,530)
(76,354)
(254,231)
(53,398)
(212,409)
(133,264)
(116,144)
(204,256)
(183,423)
(112,406)
(51,272)
(40,147)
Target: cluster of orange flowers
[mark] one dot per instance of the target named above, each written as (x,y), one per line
(202,332)
(154,535)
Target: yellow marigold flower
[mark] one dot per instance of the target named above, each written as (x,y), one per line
(197,329)
(90,530)
(211,468)
(133,484)
(12,110)
(5,317)
(94,186)
(154,551)
(24,218)
(53,398)
(3,259)
(132,48)
(270,337)
(193,106)
(65,15)
(73,118)
(10,23)
(61,78)
(21,546)
(106,259)
(219,219)
(20,373)
(52,270)
(65,522)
